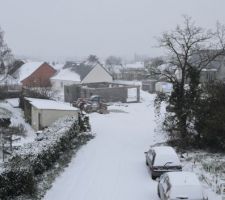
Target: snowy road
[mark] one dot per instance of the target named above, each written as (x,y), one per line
(112,166)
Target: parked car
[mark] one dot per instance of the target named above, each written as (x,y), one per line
(162,159)
(180,185)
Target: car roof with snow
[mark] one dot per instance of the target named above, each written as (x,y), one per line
(164,155)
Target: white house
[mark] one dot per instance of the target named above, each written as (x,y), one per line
(64,77)
(80,74)
(97,74)
(135,65)
(44,112)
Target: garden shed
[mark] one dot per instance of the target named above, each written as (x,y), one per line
(41,113)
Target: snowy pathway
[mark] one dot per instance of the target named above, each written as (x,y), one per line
(112,166)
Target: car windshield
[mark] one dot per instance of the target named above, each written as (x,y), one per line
(166,160)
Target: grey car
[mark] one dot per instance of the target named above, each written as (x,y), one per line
(162,159)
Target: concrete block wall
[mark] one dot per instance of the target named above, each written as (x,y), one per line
(112,93)
(109,94)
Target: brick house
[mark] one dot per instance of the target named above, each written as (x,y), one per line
(35,74)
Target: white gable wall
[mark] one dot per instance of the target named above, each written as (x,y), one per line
(58,85)
(96,75)
(46,118)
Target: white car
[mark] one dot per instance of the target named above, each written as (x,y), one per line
(180,185)
(162,159)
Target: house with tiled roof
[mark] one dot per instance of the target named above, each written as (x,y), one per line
(35,74)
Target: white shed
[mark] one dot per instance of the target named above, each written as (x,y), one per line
(163,87)
(45,112)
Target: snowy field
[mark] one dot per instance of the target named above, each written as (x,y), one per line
(112,165)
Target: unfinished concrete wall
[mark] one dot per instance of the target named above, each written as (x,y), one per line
(149,85)
(109,94)
(71,93)
(109,91)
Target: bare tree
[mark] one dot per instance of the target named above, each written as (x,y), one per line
(5,56)
(152,65)
(93,59)
(190,49)
(112,61)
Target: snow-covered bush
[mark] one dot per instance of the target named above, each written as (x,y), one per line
(16,182)
(35,158)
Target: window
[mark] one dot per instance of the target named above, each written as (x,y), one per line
(165,184)
(150,155)
(153,157)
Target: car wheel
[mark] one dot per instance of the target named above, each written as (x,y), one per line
(158,192)
(153,177)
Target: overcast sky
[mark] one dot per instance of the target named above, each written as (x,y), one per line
(52,29)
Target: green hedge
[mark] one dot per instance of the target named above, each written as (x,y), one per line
(35,158)
(16,182)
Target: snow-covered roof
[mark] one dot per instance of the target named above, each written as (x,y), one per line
(58,66)
(135,65)
(166,155)
(82,69)
(208,70)
(67,75)
(7,79)
(27,69)
(4,113)
(185,184)
(166,66)
(46,104)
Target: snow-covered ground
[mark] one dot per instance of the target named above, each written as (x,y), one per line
(17,118)
(112,165)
